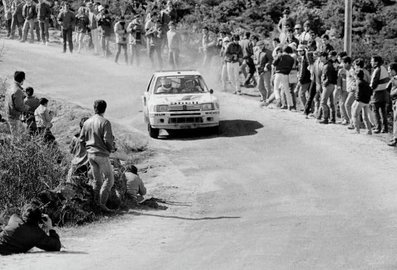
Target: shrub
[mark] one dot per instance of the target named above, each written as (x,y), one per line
(28,166)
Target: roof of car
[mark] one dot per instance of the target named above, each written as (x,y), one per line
(176,72)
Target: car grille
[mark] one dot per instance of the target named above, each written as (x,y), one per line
(184,107)
(181,120)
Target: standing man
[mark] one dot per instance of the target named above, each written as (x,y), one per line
(393,96)
(29,12)
(379,82)
(14,103)
(233,57)
(304,80)
(17,18)
(93,26)
(264,68)
(67,21)
(120,30)
(174,43)
(43,15)
(98,138)
(135,42)
(153,36)
(283,64)
(208,44)
(329,79)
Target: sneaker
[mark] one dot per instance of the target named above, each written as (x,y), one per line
(369,132)
(350,127)
(344,122)
(47,43)
(333,121)
(384,131)
(105,209)
(392,144)
(324,121)
(377,131)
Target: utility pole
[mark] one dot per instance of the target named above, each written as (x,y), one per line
(348,26)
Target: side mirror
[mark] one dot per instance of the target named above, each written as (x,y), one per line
(211,91)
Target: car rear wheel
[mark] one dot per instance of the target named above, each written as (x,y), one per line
(153,132)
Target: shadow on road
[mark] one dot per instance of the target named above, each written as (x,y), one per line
(184,218)
(227,128)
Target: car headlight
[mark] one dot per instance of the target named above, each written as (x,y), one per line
(161,108)
(207,106)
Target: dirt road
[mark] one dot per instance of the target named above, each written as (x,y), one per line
(272,191)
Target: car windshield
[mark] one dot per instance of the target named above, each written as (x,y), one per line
(180,85)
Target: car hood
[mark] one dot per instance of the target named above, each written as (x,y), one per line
(184,99)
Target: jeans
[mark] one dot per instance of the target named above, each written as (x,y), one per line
(233,74)
(101,167)
(303,90)
(45,36)
(95,39)
(379,109)
(357,108)
(67,38)
(264,85)
(28,26)
(328,94)
(309,101)
(340,96)
(348,105)
(8,26)
(16,24)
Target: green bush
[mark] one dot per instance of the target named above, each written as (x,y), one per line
(28,166)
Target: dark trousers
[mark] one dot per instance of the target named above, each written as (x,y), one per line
(16,24)
(43,25)
(8,26)
(312,94)
(379,109)
(67,38)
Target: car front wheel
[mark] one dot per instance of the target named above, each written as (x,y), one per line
(153,132)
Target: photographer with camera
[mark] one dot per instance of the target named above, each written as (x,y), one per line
(32,229)
(120,30)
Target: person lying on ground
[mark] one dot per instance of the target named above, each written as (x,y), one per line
(135,187)
(33,229)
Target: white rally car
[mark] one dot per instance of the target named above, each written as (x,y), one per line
(179,100)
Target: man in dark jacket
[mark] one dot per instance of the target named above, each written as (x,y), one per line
(14,103)
(17,18)
(44,15)
(23,233)
(361,103)
(233,58)
(29,12)
(98,139)
(67,21)
(304,74)
(329,79)
(283,64)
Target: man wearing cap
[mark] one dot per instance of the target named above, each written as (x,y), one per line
(264,67)
(67,21)
(174,43)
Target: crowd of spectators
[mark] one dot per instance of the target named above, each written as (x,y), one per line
(296,70)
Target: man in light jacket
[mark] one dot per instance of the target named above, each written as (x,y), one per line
(98,139)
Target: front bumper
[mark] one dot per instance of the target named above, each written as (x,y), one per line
(184,120)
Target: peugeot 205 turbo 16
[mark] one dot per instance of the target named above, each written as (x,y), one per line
(177,100)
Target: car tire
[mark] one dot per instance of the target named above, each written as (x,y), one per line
(214,130)
(153,132)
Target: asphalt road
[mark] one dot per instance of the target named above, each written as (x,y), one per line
(272,191)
